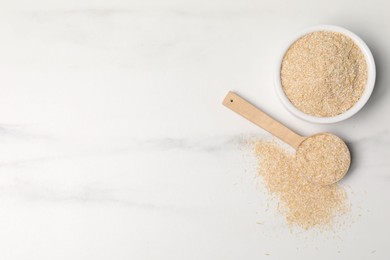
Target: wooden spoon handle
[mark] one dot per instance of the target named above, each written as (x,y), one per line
(258,117)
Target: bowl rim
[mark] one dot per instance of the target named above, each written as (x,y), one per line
(371,75)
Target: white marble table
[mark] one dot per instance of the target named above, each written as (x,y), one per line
(114,143)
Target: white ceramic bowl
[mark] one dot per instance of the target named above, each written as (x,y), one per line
(350,112)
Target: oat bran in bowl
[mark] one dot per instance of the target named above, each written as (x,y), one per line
(325,74)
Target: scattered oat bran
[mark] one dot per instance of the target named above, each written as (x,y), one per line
(323,158)
(303,203)
(324,73)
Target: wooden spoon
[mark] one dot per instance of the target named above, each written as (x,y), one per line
(312,151)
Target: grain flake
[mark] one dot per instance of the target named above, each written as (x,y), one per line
(324,73)
(302,203)
(323,158)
